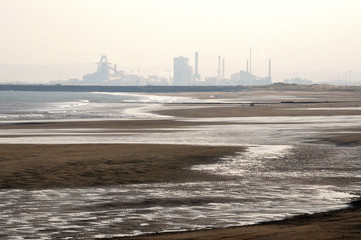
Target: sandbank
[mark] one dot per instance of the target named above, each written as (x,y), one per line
(40,166)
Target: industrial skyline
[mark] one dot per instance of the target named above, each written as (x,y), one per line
(183,72)
(109,74)
(183,75)
(319,39)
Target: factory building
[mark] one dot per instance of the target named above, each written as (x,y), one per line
(182,72)
(104,74)
(247,78)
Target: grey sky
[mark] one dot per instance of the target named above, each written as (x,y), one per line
(307,35)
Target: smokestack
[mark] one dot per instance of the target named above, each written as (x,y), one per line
(269,69)
(223,68)
(250,60)
(196,64)
(115,68)
(247,66)
(219,68)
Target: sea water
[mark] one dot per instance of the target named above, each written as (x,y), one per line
(18,105)
(281,174)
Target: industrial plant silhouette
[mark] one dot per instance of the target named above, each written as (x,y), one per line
(183,75)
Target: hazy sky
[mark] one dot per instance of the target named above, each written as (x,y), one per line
(298,35)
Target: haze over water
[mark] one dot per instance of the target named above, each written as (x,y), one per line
(284,171)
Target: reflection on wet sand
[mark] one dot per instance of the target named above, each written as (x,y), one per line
(264,183)
(285,171)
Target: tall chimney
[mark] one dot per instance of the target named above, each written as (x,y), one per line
(247,66)
(250,60)
(223,68)
(196,64)
(269,69)
(219,68)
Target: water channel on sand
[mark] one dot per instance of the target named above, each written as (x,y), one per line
(283,172)
(267,182)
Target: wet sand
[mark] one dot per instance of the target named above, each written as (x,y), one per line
(339,224)
(51,166)
(292,104)
(84,165)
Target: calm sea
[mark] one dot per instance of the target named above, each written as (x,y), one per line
(17,105)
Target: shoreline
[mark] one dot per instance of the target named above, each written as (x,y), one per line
(334,224)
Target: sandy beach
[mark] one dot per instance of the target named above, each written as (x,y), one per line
(44,166)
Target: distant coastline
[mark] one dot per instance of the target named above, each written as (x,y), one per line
(102,88)
(170,89)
